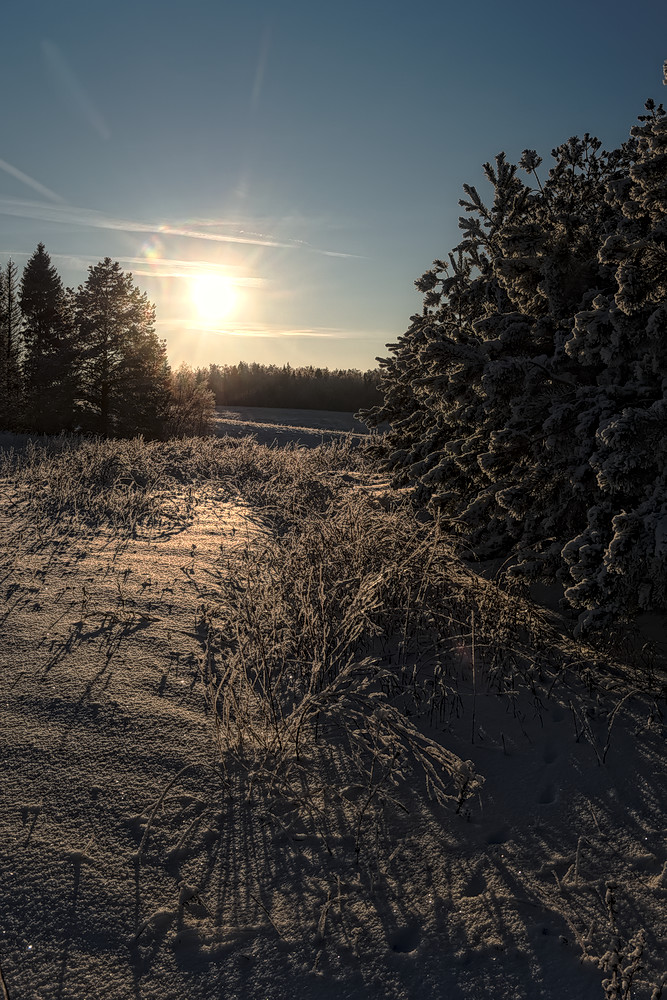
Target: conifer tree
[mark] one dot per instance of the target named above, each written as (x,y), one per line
(10,346)
(619,559)
(48,332)
(528,402)
(123,369)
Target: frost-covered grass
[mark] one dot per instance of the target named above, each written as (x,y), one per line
(336,650)
(133,485)
(319,740)
(306,698)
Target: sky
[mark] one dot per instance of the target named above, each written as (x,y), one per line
(276,175)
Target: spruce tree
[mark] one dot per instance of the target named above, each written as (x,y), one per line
(49,360)
(10,346)
(619,559)
(123,369)
(527,403)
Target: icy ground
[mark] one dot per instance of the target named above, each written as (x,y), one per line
(130,867)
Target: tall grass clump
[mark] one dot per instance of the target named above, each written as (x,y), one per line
(127,487)
(296,683)
(119,486)
(334,655)
(339,649)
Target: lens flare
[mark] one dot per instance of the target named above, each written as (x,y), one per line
(152,250)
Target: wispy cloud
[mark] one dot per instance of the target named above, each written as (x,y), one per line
(73,216)
(72,89)
(161,267)
(164,267)
(30,182)
(241,329)
(168,268)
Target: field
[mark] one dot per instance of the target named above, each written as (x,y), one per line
(267,425)
(264,733)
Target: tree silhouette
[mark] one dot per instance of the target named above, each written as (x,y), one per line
(50,351)
(10,345)
(123,369)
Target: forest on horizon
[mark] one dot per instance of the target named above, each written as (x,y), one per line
(90,362)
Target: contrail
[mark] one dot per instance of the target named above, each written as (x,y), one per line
(30,181)
(70,215)
(239,329)
(261,67)
(163,267)
(73,89)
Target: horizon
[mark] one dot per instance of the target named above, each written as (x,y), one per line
(276,181)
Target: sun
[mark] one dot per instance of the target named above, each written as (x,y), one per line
(215,296)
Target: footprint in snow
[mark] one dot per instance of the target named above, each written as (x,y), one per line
(475,887)
(547,796)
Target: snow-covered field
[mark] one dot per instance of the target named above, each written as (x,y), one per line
(264,735)
(307,428)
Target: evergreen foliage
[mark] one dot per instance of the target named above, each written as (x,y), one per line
(90,361)
(49,361)
(527,402)
(123,369)
(10,345)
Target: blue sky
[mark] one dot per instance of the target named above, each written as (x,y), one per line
(277,175)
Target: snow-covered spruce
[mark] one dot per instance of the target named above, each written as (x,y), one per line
(527,403)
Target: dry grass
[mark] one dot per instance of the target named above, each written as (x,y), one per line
(132,486)
(305,704)
(339,649)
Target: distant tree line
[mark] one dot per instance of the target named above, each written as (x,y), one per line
(306,388)
(90,361)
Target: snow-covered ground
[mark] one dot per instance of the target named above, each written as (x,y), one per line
(161,834)
(279,426)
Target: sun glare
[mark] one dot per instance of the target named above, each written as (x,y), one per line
(215,296)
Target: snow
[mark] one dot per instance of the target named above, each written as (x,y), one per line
(134,865)
(281,426)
